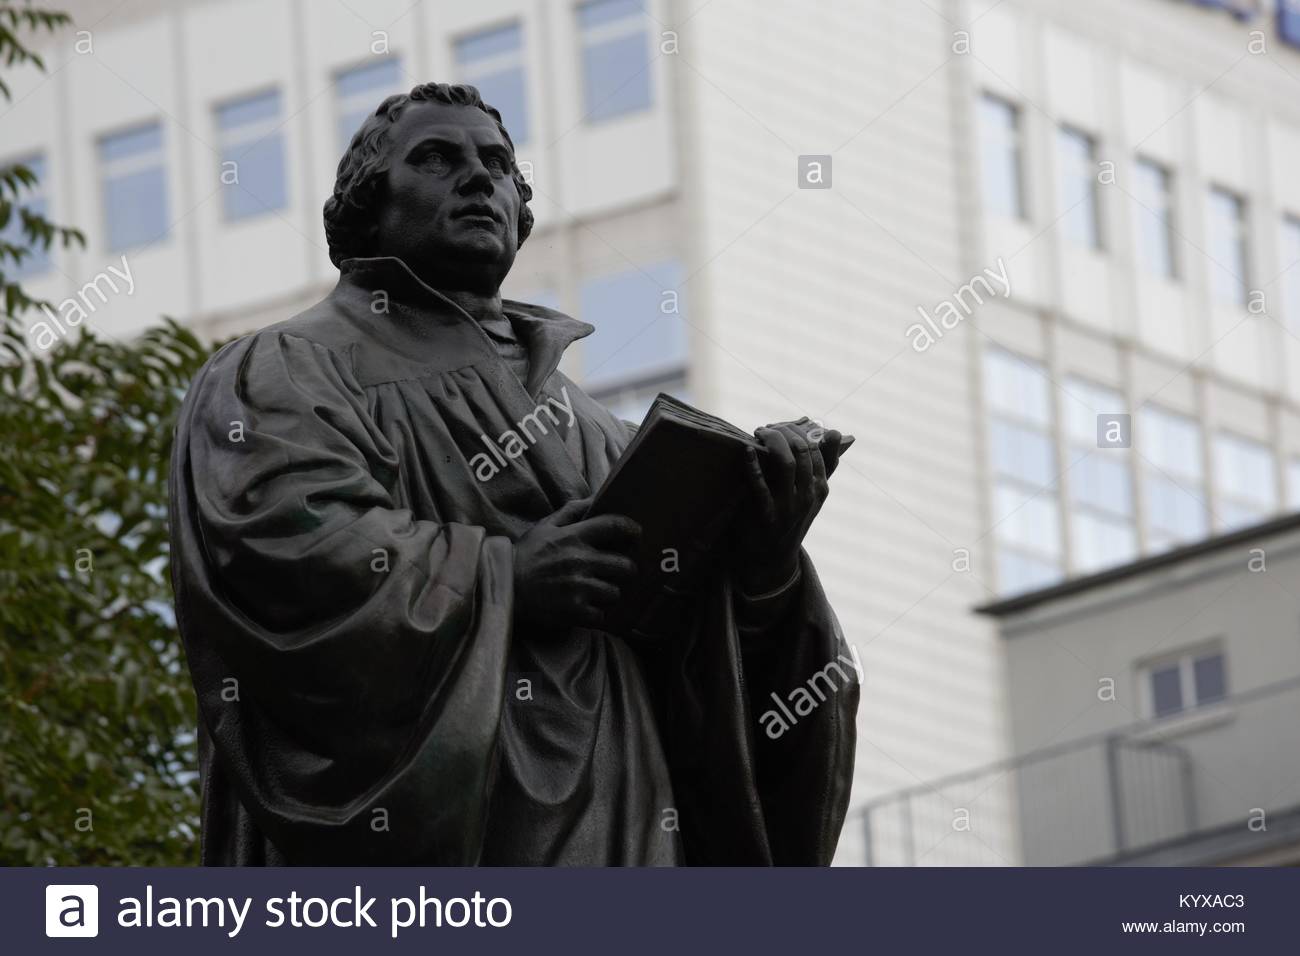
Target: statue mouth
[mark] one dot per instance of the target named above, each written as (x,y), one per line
(476,211)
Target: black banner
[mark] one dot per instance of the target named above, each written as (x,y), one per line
(197,911)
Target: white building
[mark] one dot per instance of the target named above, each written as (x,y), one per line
(1185,750)
(1124,164)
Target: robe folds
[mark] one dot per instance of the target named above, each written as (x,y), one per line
(342,567)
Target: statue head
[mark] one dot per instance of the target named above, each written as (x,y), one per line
(431,178)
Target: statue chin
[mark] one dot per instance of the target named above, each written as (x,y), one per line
(482,254)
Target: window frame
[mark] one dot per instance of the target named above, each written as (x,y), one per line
(1240,240)
(1288,22)
(1077,445)
(1196,485)
(1045,426)
(670,373)
(1065,134)
(1166,215)
(468,71)
(1290,236)
(233,149)
(342,105)
(40,260)
(1016,151)
(103,169)
(1292,498)
(1224,496)
(1185,659)
(614,30)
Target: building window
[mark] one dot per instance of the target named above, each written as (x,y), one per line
(1288,21)
(1000,158)
(1103,532)
(252,156)
(1228,248)
(359,91)
(1080,208)
(1291,272)
(1026,509)
(1245,481)
(1173,477)
(1154,217)
(1183,683)
(1293,484)
(639,347)
(33,198)
(615,58)
(133,183)
(493,61)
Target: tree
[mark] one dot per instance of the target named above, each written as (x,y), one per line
(96,709)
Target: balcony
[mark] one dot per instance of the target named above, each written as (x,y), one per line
(1216,785)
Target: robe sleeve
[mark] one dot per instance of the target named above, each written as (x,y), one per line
(349,660)
(763,697)
(802,686)
(760,617)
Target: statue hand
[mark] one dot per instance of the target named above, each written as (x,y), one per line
(787,486)
(567,569)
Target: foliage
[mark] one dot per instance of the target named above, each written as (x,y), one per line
(96,709)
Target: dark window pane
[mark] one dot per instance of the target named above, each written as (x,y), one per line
(1166,690)
(1211,684)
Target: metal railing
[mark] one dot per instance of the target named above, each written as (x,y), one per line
(1092,800)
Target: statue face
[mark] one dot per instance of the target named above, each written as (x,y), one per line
(451,210)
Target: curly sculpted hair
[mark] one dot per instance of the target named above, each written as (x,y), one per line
(362,169)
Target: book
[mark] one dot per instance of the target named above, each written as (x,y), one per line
(682,478)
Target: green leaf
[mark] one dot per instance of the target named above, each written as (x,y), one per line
(96,708)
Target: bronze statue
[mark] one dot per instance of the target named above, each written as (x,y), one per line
(399,656)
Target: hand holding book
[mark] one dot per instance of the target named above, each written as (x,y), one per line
(786,484)
(684,477)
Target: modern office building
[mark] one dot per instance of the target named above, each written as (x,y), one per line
(1039,256)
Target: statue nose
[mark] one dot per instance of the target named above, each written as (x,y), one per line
(476,181)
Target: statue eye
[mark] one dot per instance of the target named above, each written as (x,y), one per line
(497,164)
(436,162)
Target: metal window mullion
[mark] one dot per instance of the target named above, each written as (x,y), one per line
(489,65)
(126,165)
(615,30)
(249,133)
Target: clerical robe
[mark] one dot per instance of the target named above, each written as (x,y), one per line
(342,565)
